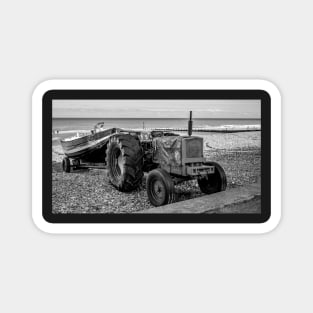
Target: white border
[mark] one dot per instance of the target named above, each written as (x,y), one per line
(42,88)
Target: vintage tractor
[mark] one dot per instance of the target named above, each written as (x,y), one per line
(168,159)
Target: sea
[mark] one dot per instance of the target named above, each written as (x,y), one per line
(78,124)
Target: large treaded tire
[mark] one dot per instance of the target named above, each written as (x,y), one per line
(124,159)
(213,182)
(160,187)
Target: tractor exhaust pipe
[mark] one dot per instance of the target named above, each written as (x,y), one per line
(190,124)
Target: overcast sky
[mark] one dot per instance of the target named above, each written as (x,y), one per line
(157,108)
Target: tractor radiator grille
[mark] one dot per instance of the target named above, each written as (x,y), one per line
(194,147)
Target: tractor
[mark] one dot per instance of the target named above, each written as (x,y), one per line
(169,159)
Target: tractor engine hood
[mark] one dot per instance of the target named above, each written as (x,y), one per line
(177,150)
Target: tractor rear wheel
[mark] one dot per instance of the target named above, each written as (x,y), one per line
(124,159)
(213,182)
(160,187)
(66,165)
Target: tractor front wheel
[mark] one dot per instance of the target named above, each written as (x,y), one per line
(213,182)
(160,187)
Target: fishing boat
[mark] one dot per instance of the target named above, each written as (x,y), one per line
(84,145)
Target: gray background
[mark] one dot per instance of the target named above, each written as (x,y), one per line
(165,39)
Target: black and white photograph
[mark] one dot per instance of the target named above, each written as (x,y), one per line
(156,156)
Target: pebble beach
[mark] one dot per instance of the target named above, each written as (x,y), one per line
(89,191)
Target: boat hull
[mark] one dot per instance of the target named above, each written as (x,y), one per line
(85,147)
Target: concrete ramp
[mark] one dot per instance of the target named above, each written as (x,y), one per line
(229,198)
